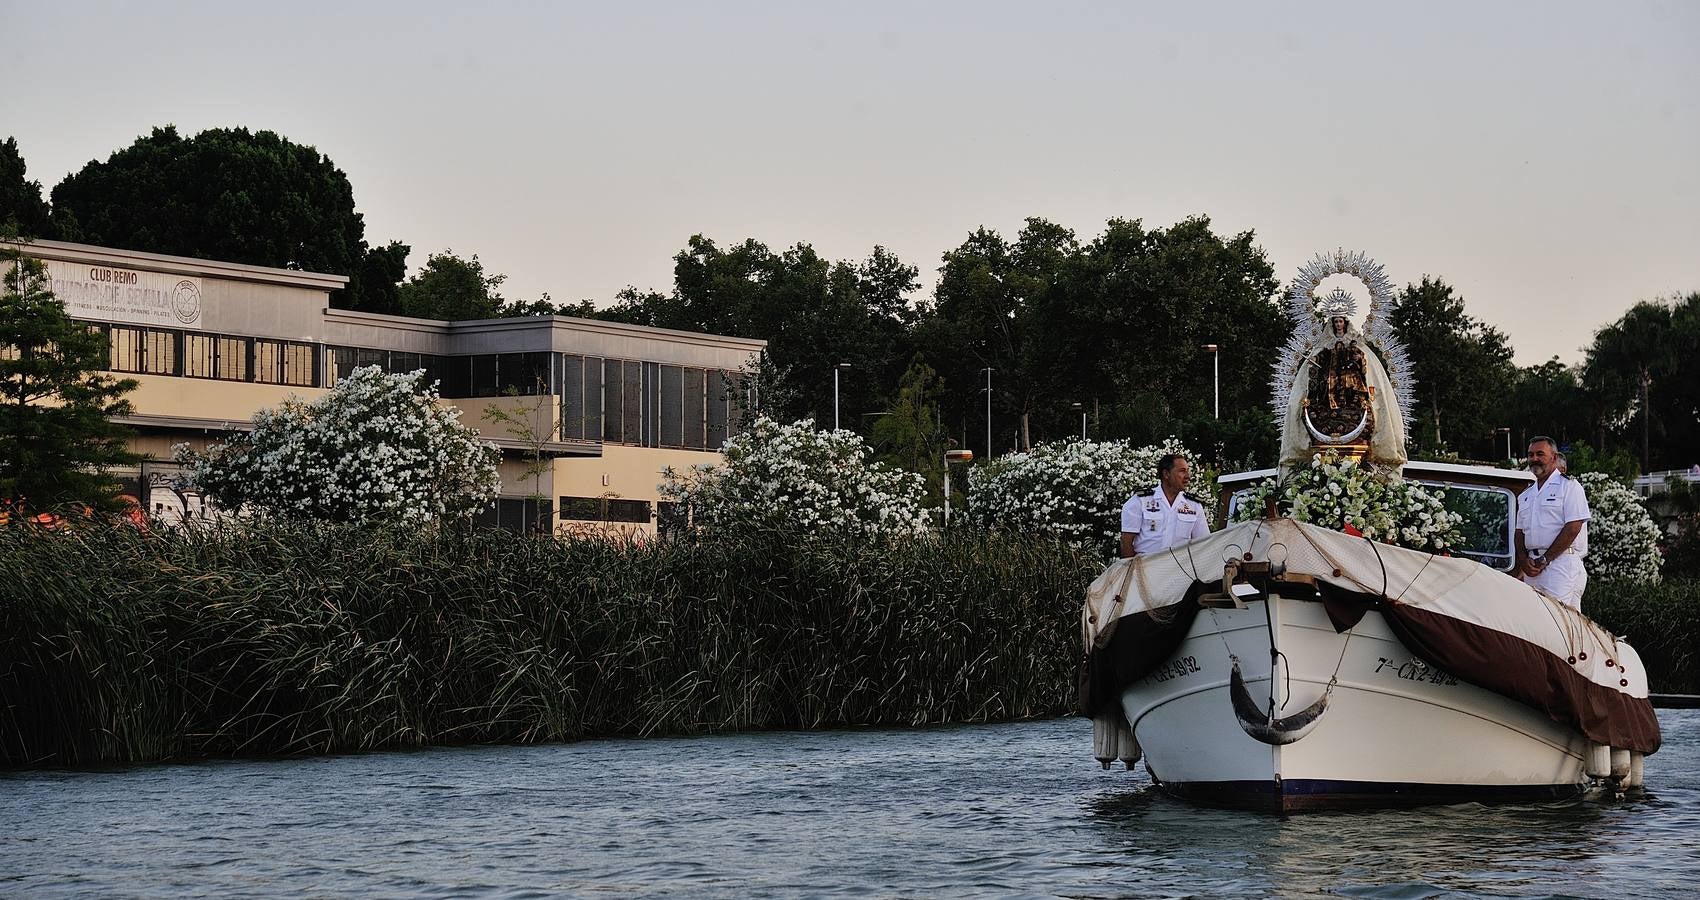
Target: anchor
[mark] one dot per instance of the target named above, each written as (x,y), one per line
(1264,726)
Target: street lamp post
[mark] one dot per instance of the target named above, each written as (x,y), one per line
(1216,364)
(988,371)
(1082,407)
(835,371)
(952,456)
(1507,431)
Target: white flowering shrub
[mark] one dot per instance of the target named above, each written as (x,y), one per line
(1072,490)
(1333,492)
(795,477)
(376,448)
(1623,540)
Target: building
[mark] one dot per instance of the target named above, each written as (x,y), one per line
(596,409)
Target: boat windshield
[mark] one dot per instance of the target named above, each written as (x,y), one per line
(1487,521)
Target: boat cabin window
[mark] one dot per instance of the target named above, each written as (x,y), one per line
(1487,526)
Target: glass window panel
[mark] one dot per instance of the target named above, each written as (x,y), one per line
(200,356)
(613,400)
(457,376)
(628,511)
(572,397)
(525,374)
(232,358)
(299,369)
(268,361)
(632,412)
(404,363)
(672,405)
(593,398)
(692,415)
(716,409)
(364,357)
(484,375)
(581,509)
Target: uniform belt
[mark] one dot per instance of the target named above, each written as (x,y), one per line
(1543,552)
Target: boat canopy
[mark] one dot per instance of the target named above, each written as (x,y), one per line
(1476,623)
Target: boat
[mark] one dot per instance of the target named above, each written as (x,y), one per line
(1282,665)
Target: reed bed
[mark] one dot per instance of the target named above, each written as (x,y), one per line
(1662,621)
(119,646)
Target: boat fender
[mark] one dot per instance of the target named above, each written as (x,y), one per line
(1619,765)
(1104,744)
(1127,746)
(1598,760)
(1637,772)
(1264,726)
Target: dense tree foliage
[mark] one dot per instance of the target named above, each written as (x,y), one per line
(1117,325)
(230,194)
(1463,370)
(451,288)
(1643,373)
(21,205)
(57,437)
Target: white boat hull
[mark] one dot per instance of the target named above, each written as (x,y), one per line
(1394,732)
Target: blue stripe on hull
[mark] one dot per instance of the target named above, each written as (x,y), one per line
(1302,794)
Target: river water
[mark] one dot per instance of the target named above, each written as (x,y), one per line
(995,810)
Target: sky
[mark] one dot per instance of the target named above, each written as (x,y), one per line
(1541,158)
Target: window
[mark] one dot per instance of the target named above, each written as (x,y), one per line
(632,413)
(127,348)
(525,374)
(672,406)
(231,363)
(521,515)
(572,396)
(613,400)
(1487,527)
(719,393)
(593,398)
(286,362)
(692,416)
(604,509)
(200,356)
(483,375)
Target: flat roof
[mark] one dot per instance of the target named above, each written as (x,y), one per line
(178,265)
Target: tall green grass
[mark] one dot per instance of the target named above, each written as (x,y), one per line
(119,646)
(1661,621)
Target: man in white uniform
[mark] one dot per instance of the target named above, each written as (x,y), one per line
(1552,527)
(1165,517)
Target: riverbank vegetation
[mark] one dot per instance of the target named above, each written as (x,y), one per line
(122,646)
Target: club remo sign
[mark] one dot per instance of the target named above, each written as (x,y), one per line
(110,294)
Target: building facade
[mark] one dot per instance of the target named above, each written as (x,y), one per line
(593,411)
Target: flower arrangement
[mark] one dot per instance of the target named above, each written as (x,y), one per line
(796,477)
(1335,491)
(1623,540)
(1072,490)
(376,448)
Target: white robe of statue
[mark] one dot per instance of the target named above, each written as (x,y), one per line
(1387,444)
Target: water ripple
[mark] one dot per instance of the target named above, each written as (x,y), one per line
(1007,810)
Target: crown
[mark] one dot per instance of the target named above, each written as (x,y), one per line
(1338,303)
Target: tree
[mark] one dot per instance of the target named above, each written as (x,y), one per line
(229,194)
(20,199)
(1116,324)
(376,448)
(1462,367)
(1546,399)
(57,437)
(1643,373)
(910,434)
(450,288)
(813,313)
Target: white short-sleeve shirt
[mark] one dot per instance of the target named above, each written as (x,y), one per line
(1157,524)
(1544,510)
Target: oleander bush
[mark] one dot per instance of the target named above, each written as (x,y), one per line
(297,637)
(1623,540)
(1073,490)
